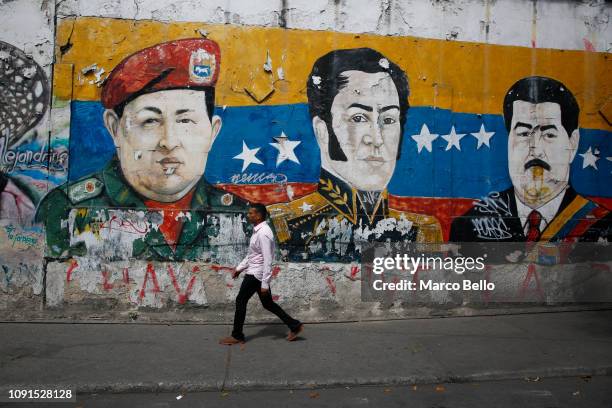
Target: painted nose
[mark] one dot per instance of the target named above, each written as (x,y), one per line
(536,144)
(169,140)
(374,137)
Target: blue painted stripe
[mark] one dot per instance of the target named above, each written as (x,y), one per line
(469,173)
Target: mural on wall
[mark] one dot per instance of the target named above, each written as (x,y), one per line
(541,116)
(29,166)
(166,154)
(24,93)
(150,200)
(358,101)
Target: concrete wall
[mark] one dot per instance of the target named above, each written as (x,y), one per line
(82,239)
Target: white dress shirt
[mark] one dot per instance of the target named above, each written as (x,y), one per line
(547,211)
(258,261)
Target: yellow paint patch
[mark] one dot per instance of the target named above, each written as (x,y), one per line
(464,77)
(62,81)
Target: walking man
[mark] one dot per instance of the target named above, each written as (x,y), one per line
(258,266)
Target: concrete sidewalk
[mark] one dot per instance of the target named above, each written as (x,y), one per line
(137,357)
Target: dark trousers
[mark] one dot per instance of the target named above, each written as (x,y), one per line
(250,285)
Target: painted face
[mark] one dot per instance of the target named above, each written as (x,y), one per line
(163,140)
(366,121)
(540,152)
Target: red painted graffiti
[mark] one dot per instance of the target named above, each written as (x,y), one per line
(531,273)
(150,271)
(124,226)
(182,296)
(72,267)
(105,282)
(331,284)
(218,268)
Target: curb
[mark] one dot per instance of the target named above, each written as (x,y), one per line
(144,387)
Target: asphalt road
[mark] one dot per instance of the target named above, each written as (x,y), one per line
(587,392)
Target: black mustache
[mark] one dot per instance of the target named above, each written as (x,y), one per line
(537,162)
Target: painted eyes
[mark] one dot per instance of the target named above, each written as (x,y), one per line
(527,133)
(361,118)
(151,122)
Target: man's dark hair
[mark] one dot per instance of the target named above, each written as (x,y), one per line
(261,209)
(537,89)
(326,80)
(209,96)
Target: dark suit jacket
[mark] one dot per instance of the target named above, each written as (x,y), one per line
(495,219)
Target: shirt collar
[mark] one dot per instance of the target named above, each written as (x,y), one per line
(548,210)
(259,226)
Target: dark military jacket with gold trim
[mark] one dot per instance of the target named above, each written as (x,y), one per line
(331,223)
(87,204)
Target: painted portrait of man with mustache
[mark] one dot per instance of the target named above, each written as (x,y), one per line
(541,116)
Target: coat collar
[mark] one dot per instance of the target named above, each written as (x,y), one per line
(123,195)
(347,200)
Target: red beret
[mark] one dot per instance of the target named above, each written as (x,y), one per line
(188,63)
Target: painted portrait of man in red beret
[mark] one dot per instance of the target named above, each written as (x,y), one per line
(159,111)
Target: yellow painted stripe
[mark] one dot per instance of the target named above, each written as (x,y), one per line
(566,214)
(462,76)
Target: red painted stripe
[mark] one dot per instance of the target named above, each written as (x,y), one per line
(444,209)
(605,202)
(584,224)
(269,193)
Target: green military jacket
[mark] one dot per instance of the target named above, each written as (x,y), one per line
(88,204)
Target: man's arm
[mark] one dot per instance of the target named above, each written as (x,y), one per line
(243,264)
(267,250)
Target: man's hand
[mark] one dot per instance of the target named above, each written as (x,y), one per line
(235,273)
(264,291)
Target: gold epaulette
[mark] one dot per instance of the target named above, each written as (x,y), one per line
(283,213)
(428,227)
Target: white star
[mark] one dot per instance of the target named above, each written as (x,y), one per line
(424,138)
(248,156)
(589,159)
(286,149)
(305,207)
(453,139)
(483,137)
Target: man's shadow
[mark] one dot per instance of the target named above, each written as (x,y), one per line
(274,331)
